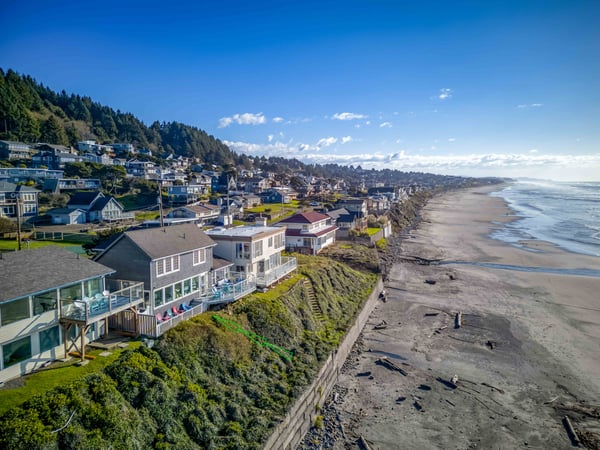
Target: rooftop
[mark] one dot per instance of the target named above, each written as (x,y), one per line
(29,271)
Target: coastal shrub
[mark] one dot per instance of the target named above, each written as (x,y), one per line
(203,385)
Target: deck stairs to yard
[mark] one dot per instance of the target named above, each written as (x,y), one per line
(315,307)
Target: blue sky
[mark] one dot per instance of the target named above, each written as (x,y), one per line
(477,88)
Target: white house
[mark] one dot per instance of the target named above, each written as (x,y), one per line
(254,250)
(51,302)
(309,232)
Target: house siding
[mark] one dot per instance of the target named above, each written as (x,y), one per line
(128,260)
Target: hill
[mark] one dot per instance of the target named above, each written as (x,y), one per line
(32,112)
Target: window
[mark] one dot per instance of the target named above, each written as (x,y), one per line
(14,311)
(168,294)
(92,287)
(199,256)
(49,339)
(158,297)
(72,292)
(46,301)
(270,242)
(195,284)
(187,287)
(279,240)
(17,351)
(178,290)
(257,249)
(242,250)
(167,265)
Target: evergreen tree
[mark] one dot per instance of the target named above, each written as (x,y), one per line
(53,132)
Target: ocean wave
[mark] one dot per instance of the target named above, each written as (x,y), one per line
(565,214)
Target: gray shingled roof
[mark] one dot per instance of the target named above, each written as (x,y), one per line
(30,271)
(172,240)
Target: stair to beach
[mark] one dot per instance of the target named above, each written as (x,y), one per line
(315,307)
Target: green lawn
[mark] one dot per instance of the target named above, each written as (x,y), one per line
(372,231)
(58,373)
(146,215)
(11,245)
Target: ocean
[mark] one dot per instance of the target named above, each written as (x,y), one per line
(565,214)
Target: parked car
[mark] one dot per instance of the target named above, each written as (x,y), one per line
(313,203)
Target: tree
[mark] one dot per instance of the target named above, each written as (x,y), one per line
(53,132)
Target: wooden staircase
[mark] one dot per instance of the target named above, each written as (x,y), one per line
(315,307)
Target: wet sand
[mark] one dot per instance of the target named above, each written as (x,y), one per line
(526,355)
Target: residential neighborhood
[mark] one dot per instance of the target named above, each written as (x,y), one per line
(207,238)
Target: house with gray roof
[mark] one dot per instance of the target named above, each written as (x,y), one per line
(17,200)
(61,302)
(177,268)
(98,207)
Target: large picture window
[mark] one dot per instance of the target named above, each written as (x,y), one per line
(46,301)
(49,339)
(158,297)
(14,311)
(93,287)
(17,351)
(72,292)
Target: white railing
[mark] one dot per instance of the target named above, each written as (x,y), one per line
(88,309)
(230,291)
(288,264)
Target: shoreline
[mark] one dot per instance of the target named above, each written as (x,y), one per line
(533,337)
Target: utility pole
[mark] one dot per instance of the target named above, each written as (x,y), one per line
(160,205)
(18,222)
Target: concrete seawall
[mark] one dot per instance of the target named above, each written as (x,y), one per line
(302,414)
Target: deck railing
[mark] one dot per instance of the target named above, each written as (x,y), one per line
(229,291)
(89,309)
(288,264)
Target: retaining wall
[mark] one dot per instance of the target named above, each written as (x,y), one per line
(301,416)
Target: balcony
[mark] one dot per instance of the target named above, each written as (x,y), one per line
(266,279)
(92,309)
(227,291)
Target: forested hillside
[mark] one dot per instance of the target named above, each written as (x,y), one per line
(31,112)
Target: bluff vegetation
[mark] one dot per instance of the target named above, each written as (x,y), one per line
(202,385)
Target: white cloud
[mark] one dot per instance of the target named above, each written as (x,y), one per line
(445,94)
(278,119)
(533,150)
(385,125)
(243,119)
(270,137)
(451,139)
(553,166)
(368,122)
(348,116)
(347,139)
(530,105)
(326,142)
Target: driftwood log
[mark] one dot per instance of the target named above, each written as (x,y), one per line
(571,431)
(385,362)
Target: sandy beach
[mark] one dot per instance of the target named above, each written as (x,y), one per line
(526,355)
